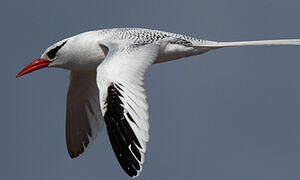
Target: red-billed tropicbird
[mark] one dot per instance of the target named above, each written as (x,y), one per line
(106,83)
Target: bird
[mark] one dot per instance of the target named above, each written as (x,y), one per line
(107,69)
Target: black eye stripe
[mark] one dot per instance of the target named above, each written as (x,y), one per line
(52,53)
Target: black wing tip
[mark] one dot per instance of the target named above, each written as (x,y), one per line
(75,151)
(74,154)
(126,159)
(122,137)
(76,144)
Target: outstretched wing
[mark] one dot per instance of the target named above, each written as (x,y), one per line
(123,101)
(83,117)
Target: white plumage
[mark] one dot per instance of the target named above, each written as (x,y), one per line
(106,83)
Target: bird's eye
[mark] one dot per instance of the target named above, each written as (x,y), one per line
(52,53)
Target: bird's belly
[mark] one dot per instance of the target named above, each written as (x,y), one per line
(177,51)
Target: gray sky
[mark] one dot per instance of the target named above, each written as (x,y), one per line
(230,114)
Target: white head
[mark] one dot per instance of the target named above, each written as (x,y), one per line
(79,53)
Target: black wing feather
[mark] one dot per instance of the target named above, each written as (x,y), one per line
(123,140)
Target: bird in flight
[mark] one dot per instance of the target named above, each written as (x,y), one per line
(106,83)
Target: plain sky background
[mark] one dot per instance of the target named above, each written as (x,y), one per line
(229,114)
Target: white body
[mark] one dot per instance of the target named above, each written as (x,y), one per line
(106,84)
(176,45)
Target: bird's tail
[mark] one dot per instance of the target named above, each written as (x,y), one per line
(213,44)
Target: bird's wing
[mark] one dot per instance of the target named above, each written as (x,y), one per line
(83,118)
(123,101)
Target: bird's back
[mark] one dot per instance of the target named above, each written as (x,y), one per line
(180,45)
(141,35)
